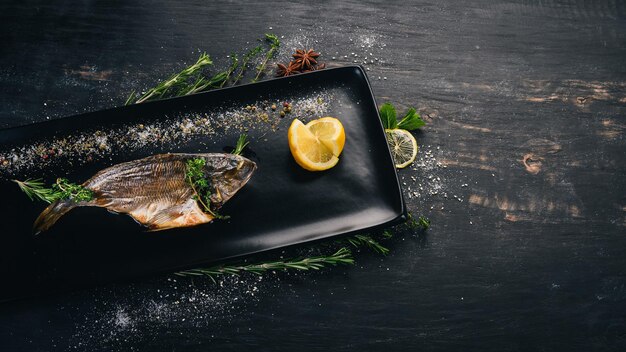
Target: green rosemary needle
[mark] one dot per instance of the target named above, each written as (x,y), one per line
(242,142)
(343,256)
(62,189)
(368,241)
(177,81)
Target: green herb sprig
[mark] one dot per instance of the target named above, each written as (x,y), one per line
(274,45)
(242,142)
(341,257)
(410,121)
(234,63)
(177,84)
(190,80)
(200,185)
(421,223)
(368,241)
(216,81)
(61,190)
(247,57)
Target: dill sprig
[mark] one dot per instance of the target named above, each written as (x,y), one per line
(343,256)
(247,57)
(242,142)
(274,45)
(177,83)
(62,189)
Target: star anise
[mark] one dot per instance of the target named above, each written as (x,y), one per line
(284,71)
(305,59)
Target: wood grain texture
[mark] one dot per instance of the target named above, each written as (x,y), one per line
(525,103)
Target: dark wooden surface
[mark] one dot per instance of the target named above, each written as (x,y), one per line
(525,103)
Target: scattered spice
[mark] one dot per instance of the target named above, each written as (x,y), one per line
(303,61)
(84,147)
(288,70)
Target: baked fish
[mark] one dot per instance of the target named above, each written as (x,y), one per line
(156,191)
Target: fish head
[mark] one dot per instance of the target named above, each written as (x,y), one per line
(228,175)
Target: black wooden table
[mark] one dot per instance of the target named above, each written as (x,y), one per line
(521,171)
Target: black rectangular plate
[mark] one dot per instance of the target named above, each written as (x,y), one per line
(282,205)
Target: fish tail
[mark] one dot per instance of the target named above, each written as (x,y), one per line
(51,214)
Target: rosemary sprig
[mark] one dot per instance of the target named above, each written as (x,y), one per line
(343,256)
(274,45)
(62,189)
(421,223)
(368,241)
(217,81)
(177,81)
(247,57)
(36,189)
(202,84)
(242,142)
(131,98)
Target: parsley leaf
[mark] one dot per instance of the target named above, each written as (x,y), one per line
(388,116)
(411,121)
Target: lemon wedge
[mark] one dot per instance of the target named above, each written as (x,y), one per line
(403,146)
(317,145)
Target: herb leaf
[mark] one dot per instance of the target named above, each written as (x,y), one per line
(176,82)
(388,116)
(411,121)
(200,185)
(247,57)
(242,142)
(370,242)
(274,45)
(62,189)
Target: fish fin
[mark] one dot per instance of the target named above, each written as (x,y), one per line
(52,214)
(185,215)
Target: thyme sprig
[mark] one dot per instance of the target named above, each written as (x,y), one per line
(247,57)
(341,257)
(274,45)
(62,189)
(234,63)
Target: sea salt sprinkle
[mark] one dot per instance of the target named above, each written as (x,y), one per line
(80,148)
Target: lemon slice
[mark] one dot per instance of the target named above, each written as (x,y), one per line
(403,146)
(316,148)
(330,132)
